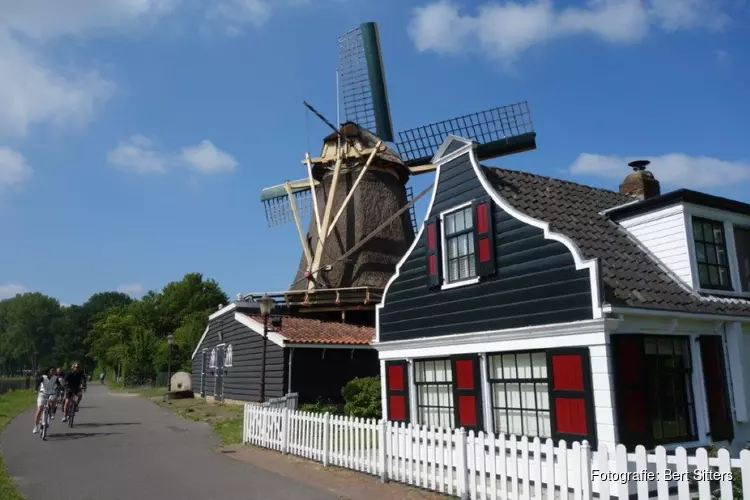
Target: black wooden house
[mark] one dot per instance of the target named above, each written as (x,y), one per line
(308,356)
(534,306)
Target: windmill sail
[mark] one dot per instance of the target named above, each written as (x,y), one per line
(499,132)
(362,80)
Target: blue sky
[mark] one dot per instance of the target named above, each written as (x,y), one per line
(135,135)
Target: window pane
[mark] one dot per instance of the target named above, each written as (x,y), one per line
(460,226)
(700,252)
(742,244)
(697,230)
(453,271)
(509,366)
(450,224)
(463,245)
(719,233)
(713,275)
(498,395)
(708,233)
(468,217)
(711,254)
(453,248)
(528,396)
(529,423)
(501,421)
(539,361)
(496,367)
(723,276)
(515,422)
(523,361)
(703,273)
(542,396)
(472,267)
(513,393)
(463,267)
(545,425)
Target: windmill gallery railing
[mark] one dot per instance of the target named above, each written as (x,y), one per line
(484,466)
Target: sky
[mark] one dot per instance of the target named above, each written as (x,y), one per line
(136,135)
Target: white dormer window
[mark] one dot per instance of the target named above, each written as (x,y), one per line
(459,261)
(711,254)
(722,255)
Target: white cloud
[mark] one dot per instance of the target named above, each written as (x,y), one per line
(137,154)
(10,290)
(505,30)
(142,155)
(233,14)
(676,169)
(134,289)
(14,169)
(207,159)
(33,88)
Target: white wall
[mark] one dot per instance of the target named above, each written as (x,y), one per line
(663,233)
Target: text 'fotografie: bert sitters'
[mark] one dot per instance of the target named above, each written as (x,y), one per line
(666,475)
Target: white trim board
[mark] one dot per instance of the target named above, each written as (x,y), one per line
(303,345)
(589,332)
(441,157)
(225,309)
(257,327)
(591,264)
(674,314)
(203,337)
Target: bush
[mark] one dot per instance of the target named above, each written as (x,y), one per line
(362,396)
(319,407)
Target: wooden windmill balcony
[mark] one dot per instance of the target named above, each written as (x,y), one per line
(361,298)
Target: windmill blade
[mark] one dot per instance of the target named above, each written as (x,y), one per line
(276,202)
(362,81)
(499,132)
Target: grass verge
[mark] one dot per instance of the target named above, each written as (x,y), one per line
(11,404)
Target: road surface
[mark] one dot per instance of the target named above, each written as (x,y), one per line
(124,447)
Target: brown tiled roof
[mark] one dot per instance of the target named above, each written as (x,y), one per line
(631,276)
(298,330)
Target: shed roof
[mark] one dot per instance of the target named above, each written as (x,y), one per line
(297,330)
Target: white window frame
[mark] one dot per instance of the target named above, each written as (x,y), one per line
(212,359)
(447,285)
(228,353)
(729,221)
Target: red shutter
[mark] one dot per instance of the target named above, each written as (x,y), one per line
(571,396)
(432,235)
(484,241)
(397,390)
(717,392)
(631,390)
(467,392)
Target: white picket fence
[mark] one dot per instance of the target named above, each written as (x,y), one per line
(488,467)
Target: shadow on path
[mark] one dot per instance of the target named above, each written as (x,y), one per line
(78,435)
(111,424)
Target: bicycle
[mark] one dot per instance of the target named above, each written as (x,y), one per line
(71,411)
(45,419)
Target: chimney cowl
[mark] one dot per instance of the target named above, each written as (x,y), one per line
(640,183)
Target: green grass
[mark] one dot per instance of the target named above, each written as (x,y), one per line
(226,419)
(11,404)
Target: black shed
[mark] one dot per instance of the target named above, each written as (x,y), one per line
(312,357)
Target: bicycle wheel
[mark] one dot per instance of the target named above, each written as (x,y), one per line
(43,431)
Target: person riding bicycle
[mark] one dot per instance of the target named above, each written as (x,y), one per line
(73,382)
(47,385)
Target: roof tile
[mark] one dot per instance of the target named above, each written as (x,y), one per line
(313,331)
(631,276)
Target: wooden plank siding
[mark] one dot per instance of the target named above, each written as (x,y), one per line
(536,281)
(242,379)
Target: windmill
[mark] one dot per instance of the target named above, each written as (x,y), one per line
(361,211)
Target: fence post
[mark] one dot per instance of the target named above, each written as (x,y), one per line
(382,451)
(462,465)
(244,424)
(586,479)
(285,431)
(326,438)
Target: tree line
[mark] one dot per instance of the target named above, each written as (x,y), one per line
(110,331)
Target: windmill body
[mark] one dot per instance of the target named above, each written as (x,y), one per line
(365,197)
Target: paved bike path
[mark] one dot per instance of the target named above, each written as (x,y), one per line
(124,447)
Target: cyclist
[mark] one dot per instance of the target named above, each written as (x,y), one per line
(48,385)
(74,382)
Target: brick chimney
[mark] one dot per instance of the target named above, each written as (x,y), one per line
(641,183)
